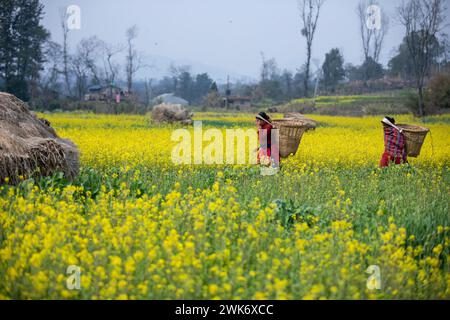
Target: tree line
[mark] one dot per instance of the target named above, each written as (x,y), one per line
(33,66)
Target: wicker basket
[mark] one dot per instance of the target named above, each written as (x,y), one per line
(290,132)
(414,136)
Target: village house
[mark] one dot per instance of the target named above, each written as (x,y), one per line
(104,93)
(238,102)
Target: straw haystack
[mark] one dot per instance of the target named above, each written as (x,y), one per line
(29,146)
(171,113)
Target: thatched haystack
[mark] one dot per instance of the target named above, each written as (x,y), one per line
(171,113)
(29,146)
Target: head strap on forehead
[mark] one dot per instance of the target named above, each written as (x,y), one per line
(260,117)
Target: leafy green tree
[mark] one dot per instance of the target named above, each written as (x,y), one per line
(298,83)
(402,64)
(214,87)
(202,86)
(271,89)
(287,84)
(333,69)
(372,70)
(269,86)
(369,70)
(185,86)
(422,20)
(22,38)
(212,100)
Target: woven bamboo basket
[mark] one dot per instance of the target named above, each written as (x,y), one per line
(290,133)
(414,136)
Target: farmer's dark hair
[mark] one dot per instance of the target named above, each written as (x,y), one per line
(264,116)
(392,120)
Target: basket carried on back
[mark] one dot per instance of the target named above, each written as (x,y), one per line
(414,136)
(290,133)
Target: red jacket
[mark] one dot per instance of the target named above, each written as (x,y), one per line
(394,147)
(265,137)
(394,143)
(266,147)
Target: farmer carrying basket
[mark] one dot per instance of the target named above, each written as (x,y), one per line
(401,141)
(394,144)
(268,153)
(279,138)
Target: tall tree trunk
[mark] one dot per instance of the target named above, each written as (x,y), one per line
(421,100)
(130,67)
(66,69)
(65,31)
(308,65)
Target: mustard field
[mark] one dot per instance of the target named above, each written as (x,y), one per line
(137,226)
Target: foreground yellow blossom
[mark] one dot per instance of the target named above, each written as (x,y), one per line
(138,227)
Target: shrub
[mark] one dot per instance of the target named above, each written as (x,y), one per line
(411,101)
(212,101)
(438,91)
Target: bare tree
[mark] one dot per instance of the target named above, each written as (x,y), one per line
(83,64)
(269,68)
(65,51)
(53,60)
(110,67)
(133,59)
(148,91)
(88,51)
(80,71)
(49,77)
(445,48)
(264,71)
(175,73)
(422,20)
(372,37)
(309,12)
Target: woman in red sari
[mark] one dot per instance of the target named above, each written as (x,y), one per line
(394,144)
(267,152)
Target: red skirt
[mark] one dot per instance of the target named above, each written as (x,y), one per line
(263,153)
(386,159)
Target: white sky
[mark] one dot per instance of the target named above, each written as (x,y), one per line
(223,34)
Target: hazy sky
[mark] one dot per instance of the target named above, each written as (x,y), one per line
(222,35)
